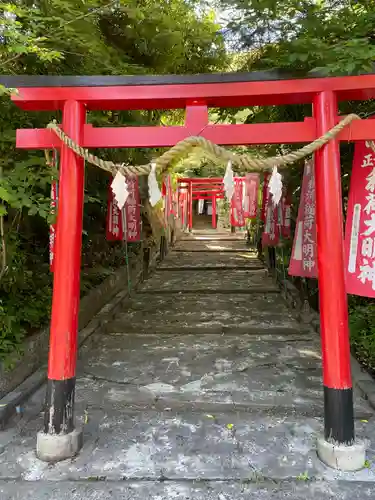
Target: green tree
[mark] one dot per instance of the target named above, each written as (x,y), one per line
(330,36)
(81,37)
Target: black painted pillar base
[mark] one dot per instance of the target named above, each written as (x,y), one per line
(59,440)
(338,416)
(59,407)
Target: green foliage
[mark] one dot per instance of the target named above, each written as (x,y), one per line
(81,37)
(25,296)
(332,36)
(27,186)
(362,330)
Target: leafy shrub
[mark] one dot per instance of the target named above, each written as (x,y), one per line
(362,330)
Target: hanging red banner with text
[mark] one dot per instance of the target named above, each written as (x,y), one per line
(271,233)
(286,208)
(251,196)
(132,211)
(360,224)
(265,197)
(52,228)
(114,229)
(237,217)
(304,254)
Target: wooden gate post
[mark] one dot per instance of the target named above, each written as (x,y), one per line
(59,439)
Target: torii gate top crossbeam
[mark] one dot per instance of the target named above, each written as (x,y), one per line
(167,92)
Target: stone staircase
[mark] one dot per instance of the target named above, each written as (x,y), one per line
(203,387)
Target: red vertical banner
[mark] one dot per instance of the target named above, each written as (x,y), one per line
(286,208)
(237,216)
(114,227)
(304,253)
(271,233)
(266,178)
(360,224)
(52,228)
(132,211)
(251,195)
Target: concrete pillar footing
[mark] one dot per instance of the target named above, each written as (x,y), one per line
(342,457)
(57,447)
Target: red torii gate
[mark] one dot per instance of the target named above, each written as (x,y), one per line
(201,188)
(76,95)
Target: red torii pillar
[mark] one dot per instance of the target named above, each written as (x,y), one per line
(59,409)
(337,380)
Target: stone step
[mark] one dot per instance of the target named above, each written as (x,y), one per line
(214,232)
(213,249)
(206,373)
(182,446)
(212,237)
(155,313)
(160,396)
(255,488)
(121,328)
(211,260)
(213,246)
(198,281)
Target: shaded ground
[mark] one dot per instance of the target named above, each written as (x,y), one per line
(204,387)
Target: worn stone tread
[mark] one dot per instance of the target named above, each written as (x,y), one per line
(257,489)
(154,313)
(231,371)
(211,259)
(204,281)
(155,445)
(212,245)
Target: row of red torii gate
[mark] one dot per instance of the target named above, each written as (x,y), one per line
(179,203)
(250,202)
(243,205)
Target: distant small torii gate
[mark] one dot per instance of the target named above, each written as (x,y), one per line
(196,94)
(201,188)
